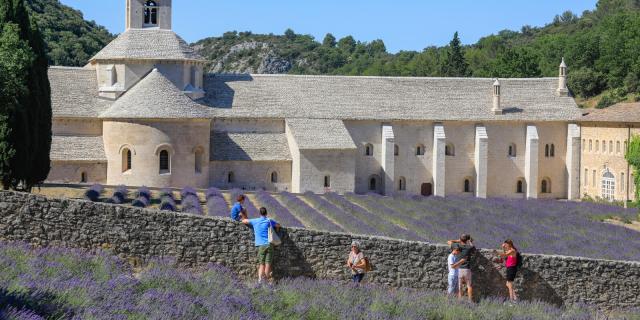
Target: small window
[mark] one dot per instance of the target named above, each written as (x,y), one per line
(586,177)
(618,147)
(545,186)
(450,150)
(593,178)
(597,145)
(402,184)
(590,145)
(231,177)
(420,150)
(151,13)
(274,177)
(625,147)
(165,163)
(373,184)
(610,146)
(512,150)
(83,177)
(547,151)
(520,186)
(467,185)
(198,161)
(327,181)
(368,150)
(622,182)
(396,150)
(552,153)
(584,144)
(126,160)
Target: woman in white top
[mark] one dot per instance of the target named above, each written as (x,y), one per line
(356,262)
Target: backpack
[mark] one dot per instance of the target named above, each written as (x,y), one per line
(274,239)
(518,260)
(367,265)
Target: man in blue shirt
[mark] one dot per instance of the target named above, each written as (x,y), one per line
(265,249)
(237,211)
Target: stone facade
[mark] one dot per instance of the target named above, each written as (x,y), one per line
(195,240)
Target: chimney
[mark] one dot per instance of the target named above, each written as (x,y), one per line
(497,108)
(562,91)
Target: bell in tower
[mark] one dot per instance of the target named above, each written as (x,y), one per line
(148,14)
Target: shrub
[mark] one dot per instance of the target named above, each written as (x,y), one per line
(141,202)
(606,101)
(586,83)
(191,204)
(186,191)
(217,206)
(168,204)
(93,194)
(167,193)
(144,192)
(213,192)
(120,195)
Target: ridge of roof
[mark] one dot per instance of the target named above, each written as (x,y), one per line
(284,75)
(155,97)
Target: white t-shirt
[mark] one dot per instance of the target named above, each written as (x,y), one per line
(451,260)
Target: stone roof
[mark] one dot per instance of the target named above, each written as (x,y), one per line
(74,93)
(155,97)
(74,148)
(249,147)
(385,98)
(621,112)
(320,134)
(148,44)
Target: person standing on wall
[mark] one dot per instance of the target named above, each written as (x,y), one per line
(238,212)
(357,262)
(512,261)
(467,250)
(261,232)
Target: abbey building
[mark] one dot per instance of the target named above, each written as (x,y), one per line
(143,112)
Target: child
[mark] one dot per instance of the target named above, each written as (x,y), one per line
(453,272)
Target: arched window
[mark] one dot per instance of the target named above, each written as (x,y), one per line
(368,150)
(584,144)
(586,177)
(198,160)
(512,150)
(590,145)
(593,178)
(520,186)
(546,151)
(610,146)
(83,177)
(165,161)
(373,184)
(552,153)
(396,150)
(450,150)
(545,186)
(327,181)
(467,185)
(597,145)
(402,184)
(126,159)
(622,182)
(151,13)
(618,147)
(608,186)
(420,150)
(231,177)
(274,177)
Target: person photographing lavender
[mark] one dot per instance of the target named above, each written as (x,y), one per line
(512,261)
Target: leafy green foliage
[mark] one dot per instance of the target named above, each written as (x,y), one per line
(70,40)
(633,156)
(455,64)
(25,100)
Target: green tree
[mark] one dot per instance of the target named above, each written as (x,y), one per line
(347,44)
(517,63)
(586,83)
(633,156)
(25,109)
(290,34)
(329,41)
(455,65)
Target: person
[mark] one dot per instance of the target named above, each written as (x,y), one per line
(238,212)
(356,262)
(453,272)
(265,249)
(467,250)
(509,256)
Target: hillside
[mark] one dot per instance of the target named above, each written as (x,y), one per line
(70,40)
(600,47)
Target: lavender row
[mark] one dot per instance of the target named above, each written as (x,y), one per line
(282,214)
(311,216)
(216,205)
(347,221)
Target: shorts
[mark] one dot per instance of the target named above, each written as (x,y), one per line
(464,276)
(265,254)
(357,278)
(453,284)
(511,273)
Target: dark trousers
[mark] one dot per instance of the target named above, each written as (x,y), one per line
(357,278)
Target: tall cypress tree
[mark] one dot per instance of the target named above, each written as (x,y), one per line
(25,100)
(455,65)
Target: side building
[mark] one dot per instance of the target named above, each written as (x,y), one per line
(606,133)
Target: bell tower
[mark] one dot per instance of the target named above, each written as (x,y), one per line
(142,14)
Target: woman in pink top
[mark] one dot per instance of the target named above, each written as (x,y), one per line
(510,258)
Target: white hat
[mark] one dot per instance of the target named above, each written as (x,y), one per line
(355,244)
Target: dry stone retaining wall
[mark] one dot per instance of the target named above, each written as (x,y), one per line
(194,240)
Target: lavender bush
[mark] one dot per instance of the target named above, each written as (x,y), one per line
(312,218)
(168,204)
(144,192)
(213,192)
(346,221)
(94,192)
(167,193)
(191,204)
(280,213)
(119,195)
(187,191)
(141,202)
(216,205)
(54,283)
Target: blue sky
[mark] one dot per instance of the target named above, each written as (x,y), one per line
(402,24)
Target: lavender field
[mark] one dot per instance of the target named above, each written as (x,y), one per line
(57,283)
(536,226)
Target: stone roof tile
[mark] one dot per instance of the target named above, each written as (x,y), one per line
(320,134)
(74,93)
(249,147)
(621,112)
(148,44)
(76,148)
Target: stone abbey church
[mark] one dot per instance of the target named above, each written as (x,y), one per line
(143,112)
